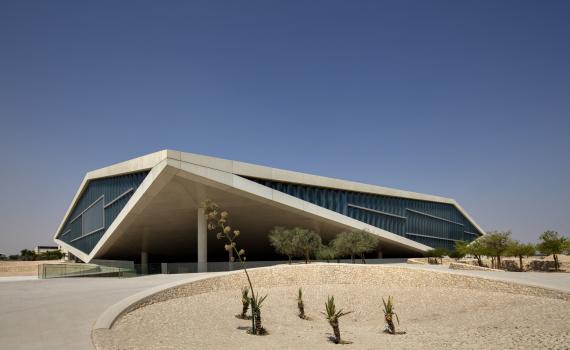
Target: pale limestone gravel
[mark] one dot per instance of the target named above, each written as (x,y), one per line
(437,310)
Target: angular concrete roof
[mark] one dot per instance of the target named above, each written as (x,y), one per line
(229,176)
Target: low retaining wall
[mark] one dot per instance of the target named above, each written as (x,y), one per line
(462,266)
(22,268)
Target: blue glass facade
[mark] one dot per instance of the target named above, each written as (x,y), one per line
(97,208)
(430,223)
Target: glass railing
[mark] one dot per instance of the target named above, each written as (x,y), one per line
(46,271)
(128,269)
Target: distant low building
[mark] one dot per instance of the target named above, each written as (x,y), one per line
(45,248)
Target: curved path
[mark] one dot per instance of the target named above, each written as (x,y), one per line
(551,280)
(60,313)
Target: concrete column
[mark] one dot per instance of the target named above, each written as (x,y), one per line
(202,241)
(144,263)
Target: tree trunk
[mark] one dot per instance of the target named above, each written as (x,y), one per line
(479,260)
(301,307)
(498,262)
(352,258)
(555,262)
(307,257)
(390,323)
(520,261)
(290,260)
(258,327)
(336,331)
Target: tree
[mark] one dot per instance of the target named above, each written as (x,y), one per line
(459,251)
(437,253)
(50,255)
(567,250)
(355,243)
(553,244)
(281,239)
(327,252)
(3,257)
(477,249)
(27,254)
(520,250)
(496,243)
(305,242)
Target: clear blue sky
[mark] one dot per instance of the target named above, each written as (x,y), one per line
(466,99)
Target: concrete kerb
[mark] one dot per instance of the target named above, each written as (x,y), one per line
(109,316)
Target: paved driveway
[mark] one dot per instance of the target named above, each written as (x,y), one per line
(550,280)
(59,313)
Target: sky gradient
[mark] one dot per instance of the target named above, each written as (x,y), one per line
(469,100)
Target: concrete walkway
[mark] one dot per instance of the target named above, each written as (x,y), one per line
(552,280)
(59,313)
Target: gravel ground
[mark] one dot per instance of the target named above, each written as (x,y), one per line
(437,311)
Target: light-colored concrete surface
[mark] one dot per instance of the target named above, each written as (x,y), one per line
(60,313)
(18,278)
(551,280)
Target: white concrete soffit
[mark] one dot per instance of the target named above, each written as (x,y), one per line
(165,170)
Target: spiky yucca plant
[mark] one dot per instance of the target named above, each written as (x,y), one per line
(245,299)
(301,305)
(219,220)
(332,316)
(256,303)
(389,314)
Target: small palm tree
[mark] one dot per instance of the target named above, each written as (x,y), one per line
(332,316)
(389,315)
(256,303)
(245,299)
(301,305)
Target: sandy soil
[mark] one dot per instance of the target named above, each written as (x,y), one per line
(434,315)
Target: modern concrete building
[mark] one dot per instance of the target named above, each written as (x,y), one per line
(45,248)
(148,209)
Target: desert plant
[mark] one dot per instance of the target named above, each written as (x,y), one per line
(281,239)
(496,244)
(219,220)
(256,303)
(389,314)
(301,304)
(553,244)
(355,243)
(332,316)
(520,250)
(245,300)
